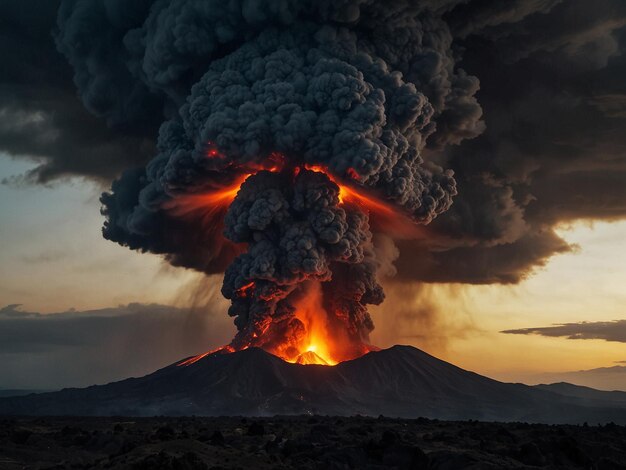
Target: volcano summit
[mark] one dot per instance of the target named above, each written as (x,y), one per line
(399,382)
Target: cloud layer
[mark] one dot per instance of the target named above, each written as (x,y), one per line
(41,116)
(606,330)
(80,348)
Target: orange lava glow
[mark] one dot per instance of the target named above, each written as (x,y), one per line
(206,205)
(208,210)
(244,291)
(319,342)
(316,345)
(311,357)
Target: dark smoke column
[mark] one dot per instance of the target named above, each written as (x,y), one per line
(264,90)
(298,233)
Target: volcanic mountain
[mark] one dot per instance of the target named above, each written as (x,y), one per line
(401,381)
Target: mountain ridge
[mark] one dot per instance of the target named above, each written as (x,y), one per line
(401,381)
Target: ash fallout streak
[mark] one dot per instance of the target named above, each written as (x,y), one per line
(299,138)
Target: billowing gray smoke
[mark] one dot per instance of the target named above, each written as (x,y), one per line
(268,88)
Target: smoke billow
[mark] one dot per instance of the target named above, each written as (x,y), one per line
(282,106)
(551,86)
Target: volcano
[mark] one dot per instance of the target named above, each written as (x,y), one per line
(401,381)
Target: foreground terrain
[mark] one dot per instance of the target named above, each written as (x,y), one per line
(303,442)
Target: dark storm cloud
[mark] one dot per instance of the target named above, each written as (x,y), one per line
(552,90)
(607,330)
(504,263)
(473,16)
(41,116)
(79,348)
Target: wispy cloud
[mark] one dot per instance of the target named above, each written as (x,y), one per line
(44,257)
(606,330)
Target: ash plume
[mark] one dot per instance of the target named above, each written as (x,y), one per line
(280,103)
(551,87)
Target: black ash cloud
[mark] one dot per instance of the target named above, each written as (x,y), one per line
(552,90)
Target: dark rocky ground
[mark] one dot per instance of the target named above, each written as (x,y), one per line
(303,443)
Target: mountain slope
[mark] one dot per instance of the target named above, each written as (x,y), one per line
(400,381)
(603,378)
(579,391)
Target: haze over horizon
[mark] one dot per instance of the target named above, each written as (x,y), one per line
(521,279)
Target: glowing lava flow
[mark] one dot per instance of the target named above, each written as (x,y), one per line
(244,291)
(194,359)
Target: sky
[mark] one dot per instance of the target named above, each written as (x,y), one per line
(516,269)
(583,286)
(55,257)
(58,262)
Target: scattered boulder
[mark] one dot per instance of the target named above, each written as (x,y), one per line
(165,461)
(20,436)
(530,454)
(256,429)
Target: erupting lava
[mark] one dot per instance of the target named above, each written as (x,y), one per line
(318,343)
(316,340)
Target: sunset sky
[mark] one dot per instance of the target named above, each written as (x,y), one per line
(54,267)
(521,279)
